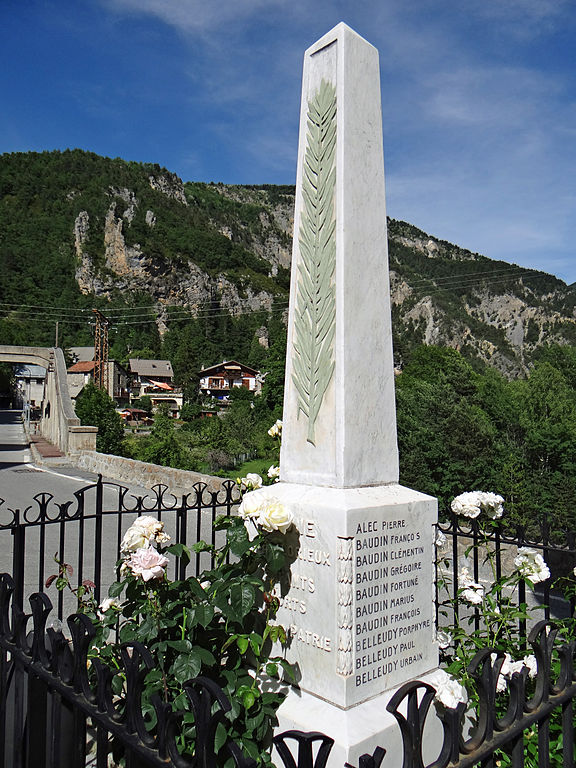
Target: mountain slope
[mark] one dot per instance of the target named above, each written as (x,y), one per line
(79,231)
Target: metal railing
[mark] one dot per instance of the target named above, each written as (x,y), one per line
(57,709)
(87,530)
(465,544)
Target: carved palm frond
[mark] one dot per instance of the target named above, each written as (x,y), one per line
(315,312)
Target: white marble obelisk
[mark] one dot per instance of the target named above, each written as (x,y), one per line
(358,600)
(339,399)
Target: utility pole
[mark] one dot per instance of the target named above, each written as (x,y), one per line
(56,343)
(101,350)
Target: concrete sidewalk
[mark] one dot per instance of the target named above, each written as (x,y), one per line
(41,449)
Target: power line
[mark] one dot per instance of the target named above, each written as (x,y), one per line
(188,315)
(206,310)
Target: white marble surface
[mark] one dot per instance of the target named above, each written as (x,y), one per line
(356,731)
(357,600)
(355,441)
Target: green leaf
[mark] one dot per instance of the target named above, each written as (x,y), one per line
(199,614)
(256,643)
(242,597)
(181,551)
(275,557)
(238,540)
(220,737)
(242,643)
(206,656)
(186,667)
(202,546)
(182,646)
(248,698)
(288,670)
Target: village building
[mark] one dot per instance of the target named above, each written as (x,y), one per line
(218,380)
(155,379)
(82,371)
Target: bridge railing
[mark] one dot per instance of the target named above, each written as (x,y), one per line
(59,422)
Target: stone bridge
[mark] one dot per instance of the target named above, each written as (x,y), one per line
(59,423)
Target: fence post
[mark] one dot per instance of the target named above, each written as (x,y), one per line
(18,549)
(36,722)
(98,539)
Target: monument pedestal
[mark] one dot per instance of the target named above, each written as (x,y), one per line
(356,731)
(357,600)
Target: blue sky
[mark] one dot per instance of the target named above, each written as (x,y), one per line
(478,98)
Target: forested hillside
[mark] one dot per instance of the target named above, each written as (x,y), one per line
(197,273)
(207,266)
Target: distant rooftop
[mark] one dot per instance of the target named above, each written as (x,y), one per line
(82,354)
(151,368)
(82,366)
(30,372)
(229,365)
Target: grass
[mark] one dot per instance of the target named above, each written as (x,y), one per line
(259,466)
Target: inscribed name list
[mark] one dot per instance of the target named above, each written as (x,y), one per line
(361,623)
(392,601)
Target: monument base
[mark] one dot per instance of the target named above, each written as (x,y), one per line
(357,596)
(356,731)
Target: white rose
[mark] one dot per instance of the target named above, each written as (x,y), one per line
(144,531)
(530,662)
(492,505)
(252,481)
(274,473)
(274,516)
(472,593)
(506,671)
(467,504)
(443,638)
(250,505)
(134,538)
(105,605)
(531,565)
(276,429)
(449,692)
(440,539)
(464,575)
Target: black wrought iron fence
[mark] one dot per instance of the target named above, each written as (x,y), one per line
(56,709)
(465,544)
(86,532)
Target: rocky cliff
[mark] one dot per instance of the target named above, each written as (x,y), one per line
(109,231)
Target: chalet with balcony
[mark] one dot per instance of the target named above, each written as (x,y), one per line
(217,380)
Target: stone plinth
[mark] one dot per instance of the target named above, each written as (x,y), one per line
(358,598)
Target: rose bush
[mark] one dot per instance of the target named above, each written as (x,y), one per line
(485,612)
(220,625)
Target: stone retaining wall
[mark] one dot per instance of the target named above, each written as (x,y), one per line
(128,471)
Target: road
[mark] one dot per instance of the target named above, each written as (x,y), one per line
(22,485)
(21,480)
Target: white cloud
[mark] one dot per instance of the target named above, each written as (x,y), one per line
(484,96)
(194,15)
(523,18)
